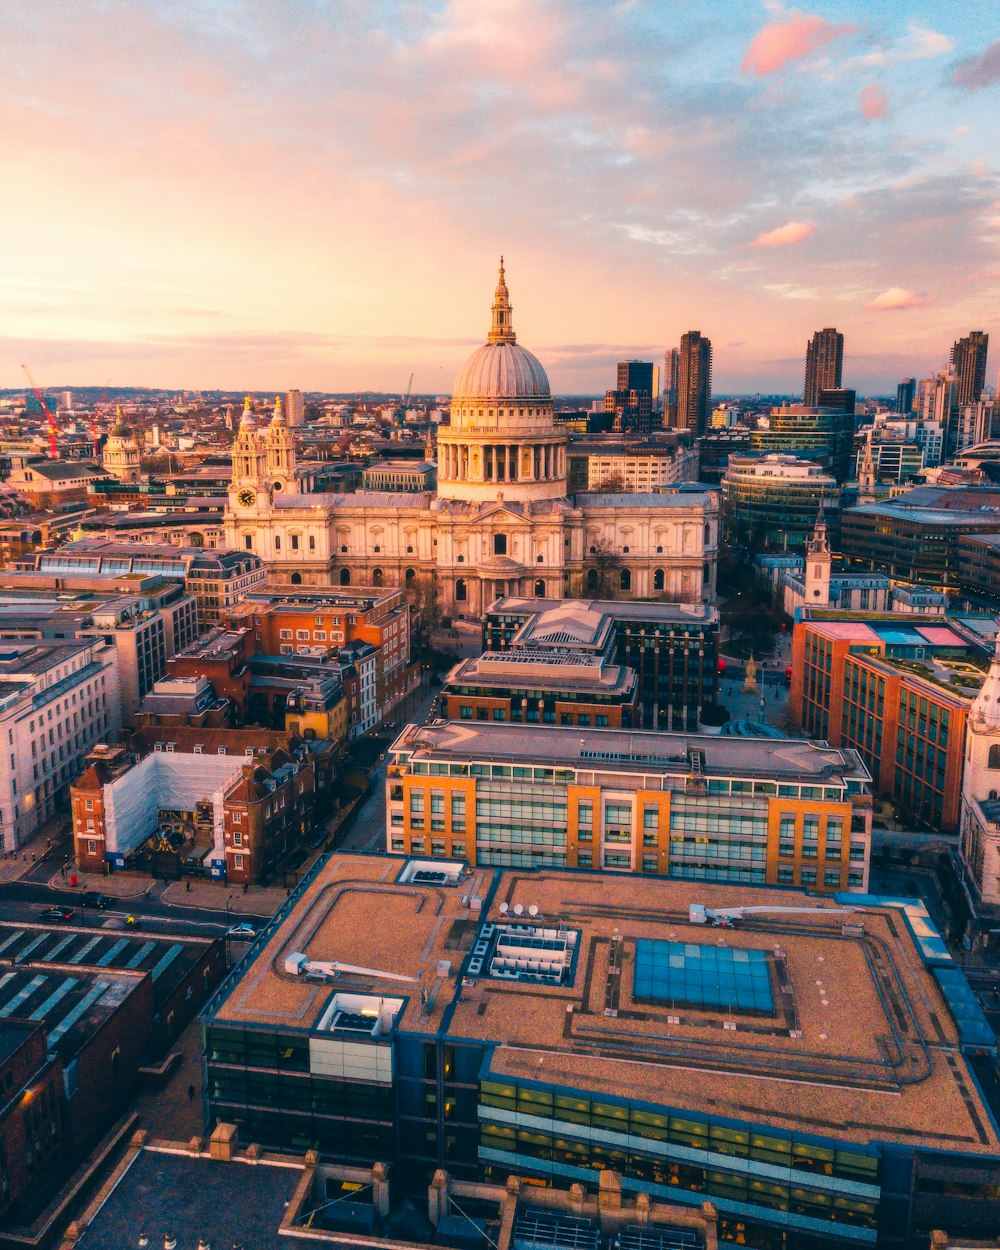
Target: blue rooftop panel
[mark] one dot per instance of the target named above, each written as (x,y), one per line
(702,976)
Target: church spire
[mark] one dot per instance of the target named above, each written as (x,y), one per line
(502,329)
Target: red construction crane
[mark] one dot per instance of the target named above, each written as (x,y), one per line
(53,449)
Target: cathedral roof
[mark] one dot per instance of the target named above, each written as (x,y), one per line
(501,371)
(501,368)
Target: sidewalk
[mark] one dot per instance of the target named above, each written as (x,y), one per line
(202,895)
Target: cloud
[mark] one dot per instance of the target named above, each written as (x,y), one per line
(896,298)
(980,71)
(789,39)
(874,102)
(784,236)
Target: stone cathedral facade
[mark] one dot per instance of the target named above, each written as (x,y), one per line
(500,521)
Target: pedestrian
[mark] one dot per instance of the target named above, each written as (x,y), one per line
(190,1093)
(187,887)
(246,886)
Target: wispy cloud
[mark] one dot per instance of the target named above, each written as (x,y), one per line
(976,72)
(789,39)
(897,298)
(784,236)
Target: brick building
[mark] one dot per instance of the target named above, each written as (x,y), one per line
(31,1139)
(228,803)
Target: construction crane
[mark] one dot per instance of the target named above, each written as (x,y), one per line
(53,449)
(725,917)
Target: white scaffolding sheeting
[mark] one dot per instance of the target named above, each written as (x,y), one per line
(175,780)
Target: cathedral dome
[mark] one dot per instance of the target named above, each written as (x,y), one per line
(501,371)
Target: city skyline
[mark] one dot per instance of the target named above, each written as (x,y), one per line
(238,195)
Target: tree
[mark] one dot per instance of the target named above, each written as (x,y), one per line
(605,563)
(614,484)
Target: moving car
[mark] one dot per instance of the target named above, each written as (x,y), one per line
(244,930)
(63,914)
(100,901)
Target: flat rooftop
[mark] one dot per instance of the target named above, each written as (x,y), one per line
(855,1038)
(229,1204)
(635,750)
(569,671)
(623,610)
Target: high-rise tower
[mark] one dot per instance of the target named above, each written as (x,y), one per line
(671,380)
(694,383)
(968,359)
(905,394)
(824,364)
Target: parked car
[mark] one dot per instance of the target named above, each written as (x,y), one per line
(100,901)
(245,931)
(63,914)
(296,859)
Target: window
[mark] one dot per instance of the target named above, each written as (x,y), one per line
(345,577)
(237,861)
(237,818)
(294,540)
(91,846)
(658,582)
(625,580)
(248,541)
(277,542)
(499,544)
(461,591)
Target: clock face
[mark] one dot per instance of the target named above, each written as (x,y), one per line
(246,498)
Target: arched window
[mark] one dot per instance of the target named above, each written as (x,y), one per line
(540,588)
(592,579)
(625,580)
(994,795)
(657,579)
(708,534)
(296,579)
(994,760)
(345,577)
(705,573)
(277,542)
(410,576)
(378,577)
(461,591)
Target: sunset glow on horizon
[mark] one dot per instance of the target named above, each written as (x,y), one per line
(265,194)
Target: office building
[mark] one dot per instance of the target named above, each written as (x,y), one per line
(217,578)
(294,408)
(824,434)
(672,649)
(671,386)
(893,460)
(698,807)
(56,700)
(815,1076)
(968,360)
(906,393)
(897,692)
(545,687)
(916,537)
(609,464)
(631,401)
(694,383)
(772,502)
(407,476)
(824,365)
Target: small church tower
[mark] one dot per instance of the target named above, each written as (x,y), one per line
(249,457)
(866,474)
(819,563)
(121,452)
(279,448)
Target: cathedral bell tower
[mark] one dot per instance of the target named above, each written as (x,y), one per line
(249,488)
(279,450)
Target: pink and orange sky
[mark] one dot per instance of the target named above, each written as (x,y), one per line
(266,194)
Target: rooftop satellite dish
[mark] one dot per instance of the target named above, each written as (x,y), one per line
(503,908)
(532,911)
(518,909)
